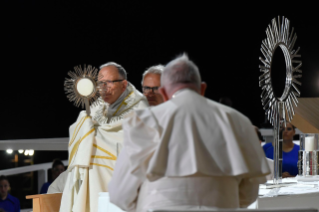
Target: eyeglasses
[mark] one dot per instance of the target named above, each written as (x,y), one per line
(108,83)
(147,89)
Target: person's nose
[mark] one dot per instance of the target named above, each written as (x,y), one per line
(150,93)
(105,90)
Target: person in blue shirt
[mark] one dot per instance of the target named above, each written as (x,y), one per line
(289,152)
(8,203)
(57,169)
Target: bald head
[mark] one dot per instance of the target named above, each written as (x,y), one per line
(118,67)
(181,73)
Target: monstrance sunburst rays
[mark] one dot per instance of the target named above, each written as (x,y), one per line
(278,34)
(81,88)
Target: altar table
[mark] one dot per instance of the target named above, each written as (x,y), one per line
(301,195)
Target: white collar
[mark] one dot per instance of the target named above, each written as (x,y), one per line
(179,91)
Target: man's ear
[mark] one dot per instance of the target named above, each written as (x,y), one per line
(162,91)
(203,87)
(124,85)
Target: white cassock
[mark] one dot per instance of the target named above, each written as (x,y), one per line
(188,153)
(93,149)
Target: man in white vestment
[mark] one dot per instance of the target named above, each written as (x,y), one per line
(150,84)
(188,152)
(96,140)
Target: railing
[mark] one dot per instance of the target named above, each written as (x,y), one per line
(61,144)
(42,170)
(56,144)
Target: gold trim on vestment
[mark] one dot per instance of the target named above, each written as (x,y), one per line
(128,108)
(113,157)
(103,157)
(76,145)
(96,164)
(76,131)
(122,103)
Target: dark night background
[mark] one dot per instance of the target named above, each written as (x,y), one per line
(43,40)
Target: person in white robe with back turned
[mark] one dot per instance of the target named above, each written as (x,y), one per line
(96,140)
(188,152)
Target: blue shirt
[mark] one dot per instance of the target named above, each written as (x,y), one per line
(289,159)
(45,187)
(10,204)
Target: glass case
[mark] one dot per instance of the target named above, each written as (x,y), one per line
(308,155)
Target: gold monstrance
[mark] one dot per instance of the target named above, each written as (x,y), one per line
(81,88)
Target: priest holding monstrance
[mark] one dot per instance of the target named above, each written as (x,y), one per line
(96,140)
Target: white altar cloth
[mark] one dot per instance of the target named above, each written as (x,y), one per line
(105,205)
(300,195)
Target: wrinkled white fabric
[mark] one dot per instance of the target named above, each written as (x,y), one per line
(93,149)
(175,151)
(76,197)
(58,185)
(209,139)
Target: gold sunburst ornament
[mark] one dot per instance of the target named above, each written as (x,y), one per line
(81,88)
(278,108)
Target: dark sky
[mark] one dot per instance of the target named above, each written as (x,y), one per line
(43,40)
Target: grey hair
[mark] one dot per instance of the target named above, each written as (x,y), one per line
(158,69)
(181,70)
(120,68)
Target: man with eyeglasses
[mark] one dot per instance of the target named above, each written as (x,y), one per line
(102,132)
(150,84)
